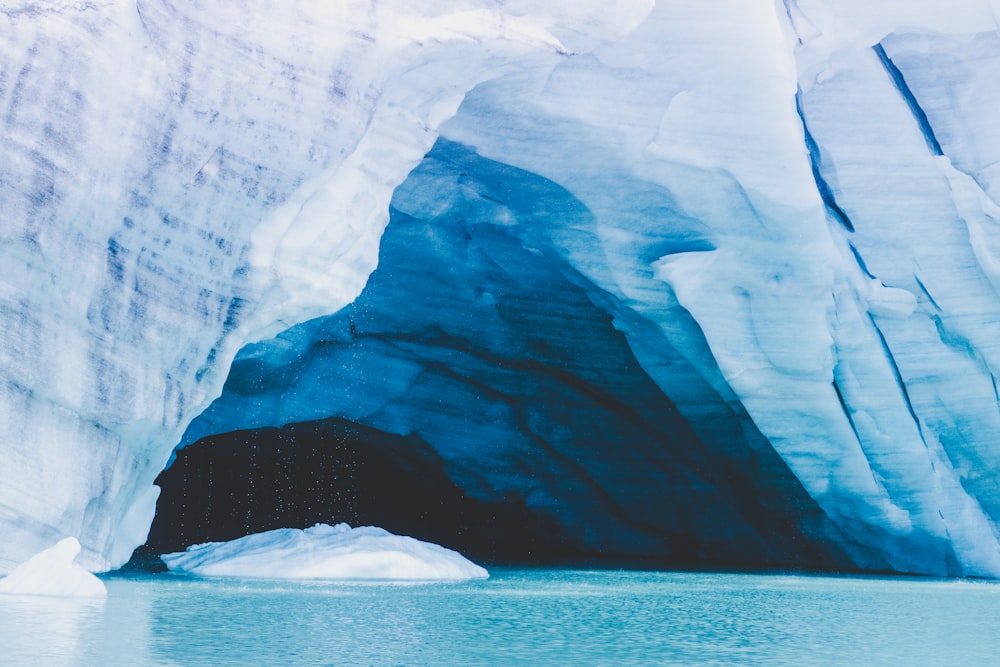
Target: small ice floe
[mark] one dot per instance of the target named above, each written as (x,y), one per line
(325,552)
(53,572)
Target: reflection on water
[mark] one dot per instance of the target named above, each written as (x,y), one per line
(534,617)
(40,630)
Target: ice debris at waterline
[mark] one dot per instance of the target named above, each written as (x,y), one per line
(325,552)
(54,572)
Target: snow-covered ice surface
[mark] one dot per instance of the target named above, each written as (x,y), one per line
(797,199)
(325,552)
(54,572)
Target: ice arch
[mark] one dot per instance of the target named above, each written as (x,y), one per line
(810,196)
(797,197)
(180,178)
(480,393)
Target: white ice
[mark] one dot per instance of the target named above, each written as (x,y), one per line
(179,178)
(877,385)
(325,552)
(54,572)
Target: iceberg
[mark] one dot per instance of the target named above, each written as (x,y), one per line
(325,552)
(54,572)
(701,282)
(773,221)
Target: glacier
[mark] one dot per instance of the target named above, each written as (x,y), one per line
(325,552)
(496,376)
(708,283)
(202,176)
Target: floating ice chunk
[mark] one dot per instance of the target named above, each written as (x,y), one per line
(53,572)
(325,552)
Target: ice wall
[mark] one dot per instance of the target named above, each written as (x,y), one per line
(478,357)
(179,178)
(832,163)
(796,198)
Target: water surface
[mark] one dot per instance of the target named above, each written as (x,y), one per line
(525,617)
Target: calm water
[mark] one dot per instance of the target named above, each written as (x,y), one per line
(523,617)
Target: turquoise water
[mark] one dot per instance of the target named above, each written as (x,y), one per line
(523,617)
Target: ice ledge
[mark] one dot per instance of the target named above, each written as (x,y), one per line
(54,572)
(325,552)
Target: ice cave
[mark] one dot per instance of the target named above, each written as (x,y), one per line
(681,283)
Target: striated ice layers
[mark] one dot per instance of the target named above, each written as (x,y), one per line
(780,216)
(179,178)
(325,552)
